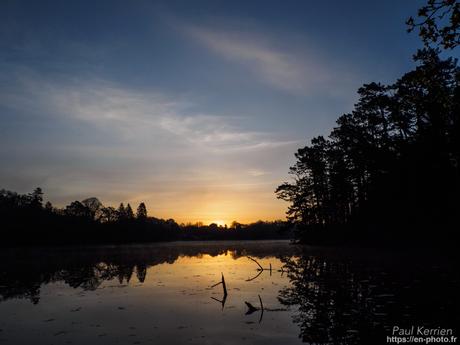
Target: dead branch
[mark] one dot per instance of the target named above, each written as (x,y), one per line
(255,277)
(224,285)
(221,301)
(251,308)
(261,304)
(261,268)
(216,284)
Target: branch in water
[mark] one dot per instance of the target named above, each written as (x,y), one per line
(256,262)
(251,308)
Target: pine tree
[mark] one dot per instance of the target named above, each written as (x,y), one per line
(129,212)
(121,212)
(141,212)
(49,206)
(37,198)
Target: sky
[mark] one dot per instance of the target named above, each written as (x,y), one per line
(194,107)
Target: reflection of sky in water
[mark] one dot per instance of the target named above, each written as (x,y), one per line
(172,306)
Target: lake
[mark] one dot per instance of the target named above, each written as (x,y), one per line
(166,293)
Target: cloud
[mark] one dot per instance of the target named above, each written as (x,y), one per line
(284,68)
(219,134)
(257,172)
(133,115)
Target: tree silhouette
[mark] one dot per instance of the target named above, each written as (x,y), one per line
(395,156)
(439,23)
(141,212)
(25,222)
(94,206)
(129,212)
(108,215)
(37,198)
(49,206)
(77,209)
(121,212)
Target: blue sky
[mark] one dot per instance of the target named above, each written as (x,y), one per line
(195,107)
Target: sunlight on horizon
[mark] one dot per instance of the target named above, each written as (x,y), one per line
(221,208)
(220,222)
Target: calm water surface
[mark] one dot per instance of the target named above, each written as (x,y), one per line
(163,294)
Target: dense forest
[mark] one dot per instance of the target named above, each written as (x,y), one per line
(390,167)
(27,220)
(389,170)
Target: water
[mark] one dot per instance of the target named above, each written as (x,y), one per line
(163,294)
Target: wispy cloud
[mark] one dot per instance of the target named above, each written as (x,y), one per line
(134,114)
(257,172)
(281,67)
(219,134)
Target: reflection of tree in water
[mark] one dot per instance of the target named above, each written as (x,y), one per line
(26,283)
(141,272)
(23,272)
(332,305)
(341,302)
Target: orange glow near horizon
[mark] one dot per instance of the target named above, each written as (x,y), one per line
(244,214)
(246,206)
(220,197)
(221,210)
(220,222)
(225,212)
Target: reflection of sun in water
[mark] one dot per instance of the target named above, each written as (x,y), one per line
(219,222)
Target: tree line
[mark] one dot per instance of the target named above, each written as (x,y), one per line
(27,220)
